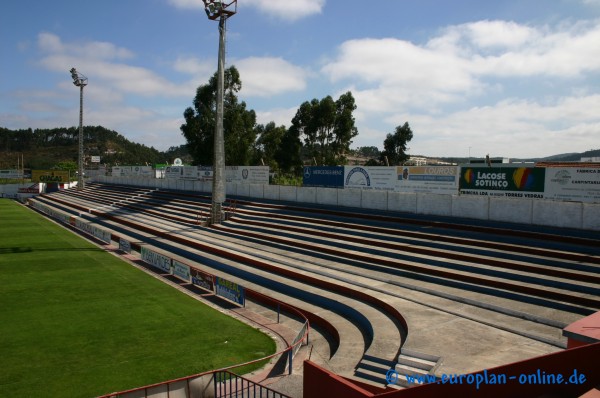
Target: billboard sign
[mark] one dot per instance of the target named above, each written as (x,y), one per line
(95,159)
(50,176)
(428,179)
(157,260)
(93,230)
(181,270)
(573,184)
(205,173)
(513,182)
(174,172)
(247,174)
(124,245)
(11,174)
(121,171)
(230,291)
(142,171)
(370,177)
(323,176)
(202,279)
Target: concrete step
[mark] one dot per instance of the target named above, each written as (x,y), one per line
(417,360)
(371,376)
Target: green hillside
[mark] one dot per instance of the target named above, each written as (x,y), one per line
(47,148)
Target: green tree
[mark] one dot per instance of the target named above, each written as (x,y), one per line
(238,122)
(327,127)
(394,145)
(288,155)
(368,151)
(66,165)
(344,128)
(268,144)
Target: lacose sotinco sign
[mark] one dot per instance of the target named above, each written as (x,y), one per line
(521,182)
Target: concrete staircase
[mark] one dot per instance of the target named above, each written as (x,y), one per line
(415,364)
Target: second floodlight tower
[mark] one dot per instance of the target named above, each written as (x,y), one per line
(80,81)
(218,10)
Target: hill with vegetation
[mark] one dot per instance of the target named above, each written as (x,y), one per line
(59,148)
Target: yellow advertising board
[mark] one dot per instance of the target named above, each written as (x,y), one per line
(49,175)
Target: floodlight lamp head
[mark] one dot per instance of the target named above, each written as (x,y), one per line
(216,8)
(78,78)
(74,74)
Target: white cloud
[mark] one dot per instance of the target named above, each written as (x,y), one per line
(268,76)
(281,116)
(389,74)
(519,127)
(290,10)
(194,66)
(101,63)
(564,53)
(497,34)
(187,4)
(51,43)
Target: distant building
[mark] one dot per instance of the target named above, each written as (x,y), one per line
(595,159)
(416,161)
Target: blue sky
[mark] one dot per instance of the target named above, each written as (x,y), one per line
(513,78)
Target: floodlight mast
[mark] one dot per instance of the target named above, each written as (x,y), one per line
(219,10)
(80,81)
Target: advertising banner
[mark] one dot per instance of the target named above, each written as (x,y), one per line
(247,174)
(190,172)
(428,179)
(323,176)
(573,184)
(121,171)
(370,177)
(124,245)
(142,171)
(230,290)
(512,182)
(32,189)
(205,173)
(181,270)
(202,279)
(50,176)
(11,174)
(59,215)
(93,230)
(157,260)
(174,172)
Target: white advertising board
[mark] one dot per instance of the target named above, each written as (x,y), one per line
(205,173)
(142,171)
(93,230)
(428,179)
(121,171)
(580,184)
(370,177)
(124,245)
(173,172)
(12,174)
(247,174)
(155,259)
(181,270)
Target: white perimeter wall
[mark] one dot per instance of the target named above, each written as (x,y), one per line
(523,211)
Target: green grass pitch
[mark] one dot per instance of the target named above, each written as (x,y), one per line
(76,321)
